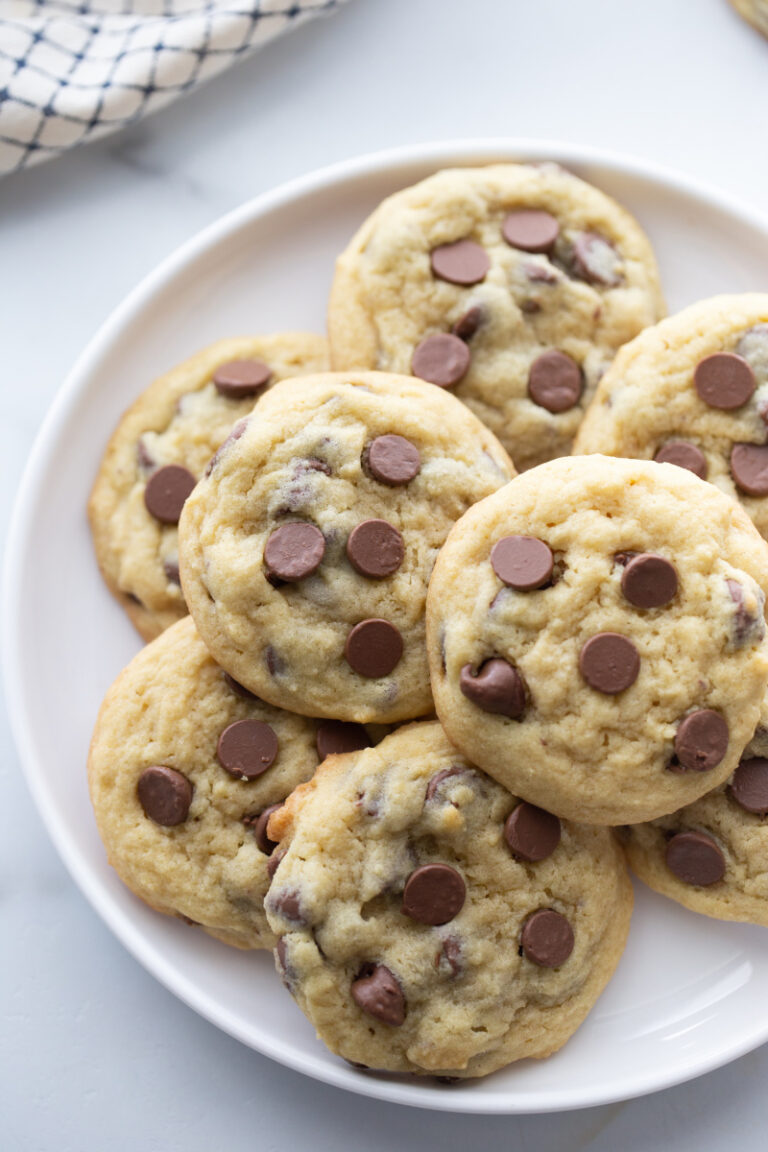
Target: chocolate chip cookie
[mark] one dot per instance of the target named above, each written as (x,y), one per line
(160,449)
(596,637)
(429,922)
(512,285)
(306,551)
(185,768)
(693,391)
(712,855)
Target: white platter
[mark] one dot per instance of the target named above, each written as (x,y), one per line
(688,994)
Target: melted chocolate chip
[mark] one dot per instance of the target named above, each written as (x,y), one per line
(434,894)
(684,455)
(531,833)
(609,663)
(555,381)
(392,460)
(247,748)
(287,904)
(547,938)
(238,688)
(463,262)
(596,260)
(749,467)
(258,825)
(530,229)
(439,777)
(701,740)
(451,953)
(468,323)
(375,548)
(496,687)
(649,581)
(274,861)
(749,786)
(166,492)
(695,859)
(240,378)
(143,455)
(442,359)
(522,562)
(747,627)
(335,737)
(378,993)
(171,570)
(237,431)
(276,666)
(165,795)
(294,551)
(724,380)
(373,648)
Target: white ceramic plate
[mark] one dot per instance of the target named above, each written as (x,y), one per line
(689,991)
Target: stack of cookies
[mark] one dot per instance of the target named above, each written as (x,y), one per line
(424,709)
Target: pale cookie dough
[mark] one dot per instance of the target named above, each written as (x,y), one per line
(179,421)
(755,12)
(177,804)
(429,922)
(306,552)
(513,285)
(596,637)
(712,856)
(693,390)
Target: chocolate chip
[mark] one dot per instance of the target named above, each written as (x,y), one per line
(530,229)
(442,359)
(165,795)
(171,570)
(747,627)
(547,938)
(373,648)
(531,833)
(285,969)
(749,465)
(247,748)
(497,687)
(555,381)
(274,861)
(596,260)
(237,431)
(166,491)
(275,664)
(258,825)
(237,688)
(392,460)
(522,562)
(434,894)
(724,380)
(684,455)
(287,904)
(239,378)
(695,858)
(540,272)
(609,662)
(375,548)
(378,993)
(143,455)
(444,774)
(463,262)
(749,786)
(294,551)
(335,737)
(701,740)
(451,952)
(468,323)
(649,581)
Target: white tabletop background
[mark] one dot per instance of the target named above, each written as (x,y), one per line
(94,1054)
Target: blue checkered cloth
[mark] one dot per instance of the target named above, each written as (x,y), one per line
(71,71)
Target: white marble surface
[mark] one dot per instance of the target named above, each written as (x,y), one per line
(93,1053)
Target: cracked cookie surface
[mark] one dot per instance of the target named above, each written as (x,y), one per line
(182,764)
(429,922)
(161,446)
(512,284)
(306,552)
(622,678)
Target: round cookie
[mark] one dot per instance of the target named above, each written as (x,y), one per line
(513,285)
(596,637)
(693,391)
(161,446)
(182,765)
(712,855)
(429,922)
(306,552)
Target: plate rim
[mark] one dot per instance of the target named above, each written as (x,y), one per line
(440,153)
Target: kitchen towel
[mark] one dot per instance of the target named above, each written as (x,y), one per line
(73,70)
